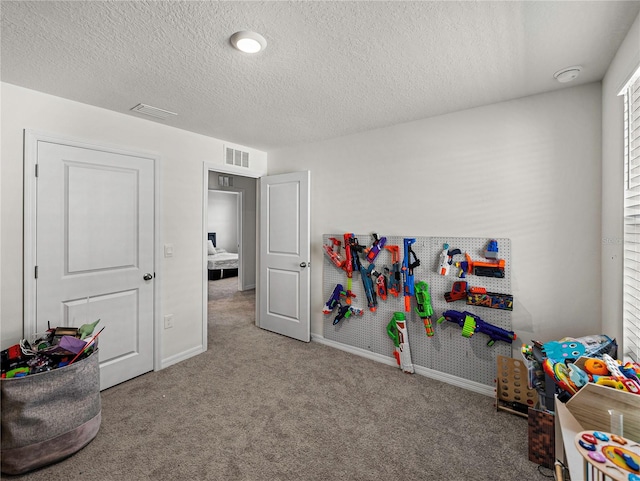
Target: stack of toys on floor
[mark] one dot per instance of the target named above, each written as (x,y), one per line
(398,278)
(56,348)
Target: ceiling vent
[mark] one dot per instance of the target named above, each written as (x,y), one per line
(154,112)
(236,157)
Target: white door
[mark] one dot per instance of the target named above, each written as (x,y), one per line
(284,305)
(95,251)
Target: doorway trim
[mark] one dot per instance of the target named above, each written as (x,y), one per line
(31,139)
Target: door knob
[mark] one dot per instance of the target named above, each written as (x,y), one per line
(147,277)
(303,264)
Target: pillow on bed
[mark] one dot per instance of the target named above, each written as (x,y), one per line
(211,249)
(220,250)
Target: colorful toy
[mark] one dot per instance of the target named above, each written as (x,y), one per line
(492,249)
(563,351)
(458,291)
(87,329)
(375,248)
(614,369)
(407,272)
(395,275)
(480,268)
(609,456)
(333,251)
(334,299)
(560,375)
(397,331)
(424,309)
(471,324)
(596,367)
(381,284)
(492,300)
(446,259)
(365,274)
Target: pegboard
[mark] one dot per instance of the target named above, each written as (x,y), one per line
(447,351)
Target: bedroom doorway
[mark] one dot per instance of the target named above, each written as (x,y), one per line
(230,223)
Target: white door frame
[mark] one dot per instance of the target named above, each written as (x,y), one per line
(31,139)
(224,169)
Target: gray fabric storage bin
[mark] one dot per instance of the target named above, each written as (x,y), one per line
(49,416)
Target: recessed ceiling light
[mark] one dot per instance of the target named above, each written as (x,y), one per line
(248,42)
(567,74)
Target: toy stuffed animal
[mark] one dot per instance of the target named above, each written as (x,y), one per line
(87,329)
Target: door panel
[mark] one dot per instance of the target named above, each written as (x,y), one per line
(284,294)
(94,244)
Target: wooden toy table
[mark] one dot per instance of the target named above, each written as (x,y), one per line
(607,456)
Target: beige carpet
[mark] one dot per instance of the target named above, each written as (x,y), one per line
(259,406)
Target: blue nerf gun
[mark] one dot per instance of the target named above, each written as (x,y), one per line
(470,324)
(407,273)
(372,300)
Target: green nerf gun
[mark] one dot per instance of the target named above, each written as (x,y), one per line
(397,331)
(424,309)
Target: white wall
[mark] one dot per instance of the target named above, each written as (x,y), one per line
(223,218)
(527,169)
(182,157)
(623,65)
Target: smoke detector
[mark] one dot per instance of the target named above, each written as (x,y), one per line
(567,74)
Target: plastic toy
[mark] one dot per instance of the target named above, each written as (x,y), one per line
(395,275)
(424,309)
(375,248)
(470,324)
(480,268)
(87,329)
(563,351)
(614,369)
(365,274)
(458,291)
(596,367)
(333,251)
(334,299)
(397,331)
(492,249)
(446,259)
(381,284)
(407,272)
(609,456)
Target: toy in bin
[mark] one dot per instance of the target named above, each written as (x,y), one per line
(57,348)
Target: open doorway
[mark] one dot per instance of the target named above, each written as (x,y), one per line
(230,225)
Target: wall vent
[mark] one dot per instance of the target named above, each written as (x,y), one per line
(236,157)
(154,112)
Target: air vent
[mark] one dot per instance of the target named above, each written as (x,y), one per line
(236,157)
(154,112)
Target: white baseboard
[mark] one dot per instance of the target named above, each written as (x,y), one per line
(423,371)
(181,356)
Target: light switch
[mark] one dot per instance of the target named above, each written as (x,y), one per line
(168,250)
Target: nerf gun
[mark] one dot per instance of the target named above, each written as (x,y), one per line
(484,269)
(458,291)
(424,309)
(381,284)
(397,331)
(334,300)
(470,324)
(407,272)
(372,301)
(333,251)
(395,285)
(345,312)
(446,259)
(375,248)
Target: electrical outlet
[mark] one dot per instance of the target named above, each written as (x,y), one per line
(168,321)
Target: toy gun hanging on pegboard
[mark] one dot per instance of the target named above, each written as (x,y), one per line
(424,309)
(381,284)
(470,324)
(480,268)
(407,272)
(333,251)
(344,311)
(367,283)
(397,331)
(375,248)
(395,274)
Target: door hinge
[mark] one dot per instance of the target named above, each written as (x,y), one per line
(36,272)
(37,170)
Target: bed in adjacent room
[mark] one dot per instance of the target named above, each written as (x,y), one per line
(220,262)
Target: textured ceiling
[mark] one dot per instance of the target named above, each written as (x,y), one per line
(329,69)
